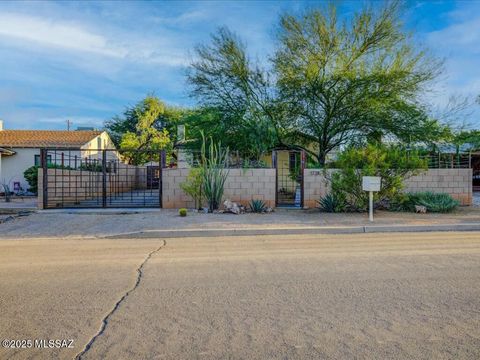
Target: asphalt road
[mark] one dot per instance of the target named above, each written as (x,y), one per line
(414,296)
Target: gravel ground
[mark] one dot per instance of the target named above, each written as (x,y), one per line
(100,224)
(370,296)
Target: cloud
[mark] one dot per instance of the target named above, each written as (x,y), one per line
(71,37)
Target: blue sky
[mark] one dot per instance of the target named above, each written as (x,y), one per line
(86,61)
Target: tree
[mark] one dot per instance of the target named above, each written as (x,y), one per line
(236,95)
(168,119)
(145,136)
(350,80)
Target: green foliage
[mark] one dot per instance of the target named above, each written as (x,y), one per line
(168,119)
(91,166)
(257,206)
(238,108)
(182,212)
(332,82)
(193,186)
(214,173)
(146,136)
(332,203)
(352,80)
(392,164)
(434,202)
(31,175)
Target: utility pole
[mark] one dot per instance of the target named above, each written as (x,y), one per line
(69,122)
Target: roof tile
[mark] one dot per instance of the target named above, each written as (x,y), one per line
(45,138)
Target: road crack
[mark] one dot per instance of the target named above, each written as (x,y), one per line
(105,320)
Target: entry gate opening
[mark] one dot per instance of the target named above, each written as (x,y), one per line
(90,178)
(290,165)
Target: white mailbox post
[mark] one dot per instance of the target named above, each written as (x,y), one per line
(371,184)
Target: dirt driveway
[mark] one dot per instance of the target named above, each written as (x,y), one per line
(265,297)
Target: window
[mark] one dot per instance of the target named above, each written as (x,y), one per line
(37,161)
(99,143)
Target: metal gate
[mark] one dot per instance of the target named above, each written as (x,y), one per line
(290,165)
(98,178)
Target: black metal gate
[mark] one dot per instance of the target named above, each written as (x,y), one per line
(98,178)
(290,165)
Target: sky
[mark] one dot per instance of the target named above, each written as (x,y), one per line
(87,61)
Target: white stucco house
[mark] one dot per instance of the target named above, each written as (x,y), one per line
(20,149)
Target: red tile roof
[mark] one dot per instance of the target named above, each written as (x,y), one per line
(45,138)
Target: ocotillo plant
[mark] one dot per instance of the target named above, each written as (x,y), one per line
(214,172)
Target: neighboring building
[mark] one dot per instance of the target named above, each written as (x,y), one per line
(20,149)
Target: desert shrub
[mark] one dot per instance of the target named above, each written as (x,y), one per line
(257,206)
(193,186)
(332,203)
(392,164)
(214,173)
(182,212)
(434,202)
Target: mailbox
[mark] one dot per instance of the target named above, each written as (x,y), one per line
(371,183)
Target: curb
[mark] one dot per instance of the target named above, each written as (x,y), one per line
(155,234)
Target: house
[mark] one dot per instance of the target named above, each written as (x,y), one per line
(20,149)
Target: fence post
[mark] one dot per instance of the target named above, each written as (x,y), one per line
(44,165)
(104,178)
(274,165)
(302,170)
(161,165)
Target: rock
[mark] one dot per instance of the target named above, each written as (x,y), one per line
(233,207)
(420,209)
(269,210)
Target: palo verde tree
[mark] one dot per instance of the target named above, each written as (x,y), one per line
(332,82)
(236,96)
(345,80)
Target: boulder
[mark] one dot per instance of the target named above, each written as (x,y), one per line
(233,207)
(420,209)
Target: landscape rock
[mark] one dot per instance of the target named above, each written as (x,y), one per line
(233,207)
(420,209)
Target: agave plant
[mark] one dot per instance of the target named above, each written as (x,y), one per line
(258,206)
(214,173)
(331,203)
(434,202)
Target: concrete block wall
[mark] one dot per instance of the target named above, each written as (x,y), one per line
(241,186)
(456,182)
(316,186)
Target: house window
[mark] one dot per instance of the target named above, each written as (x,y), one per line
(39,163)
(99,143)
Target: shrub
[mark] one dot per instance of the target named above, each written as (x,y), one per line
(182,212)
(434,202)
(392,164)
(214,173)
(332,203)
(258,206)
(31,175)
(193,186)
